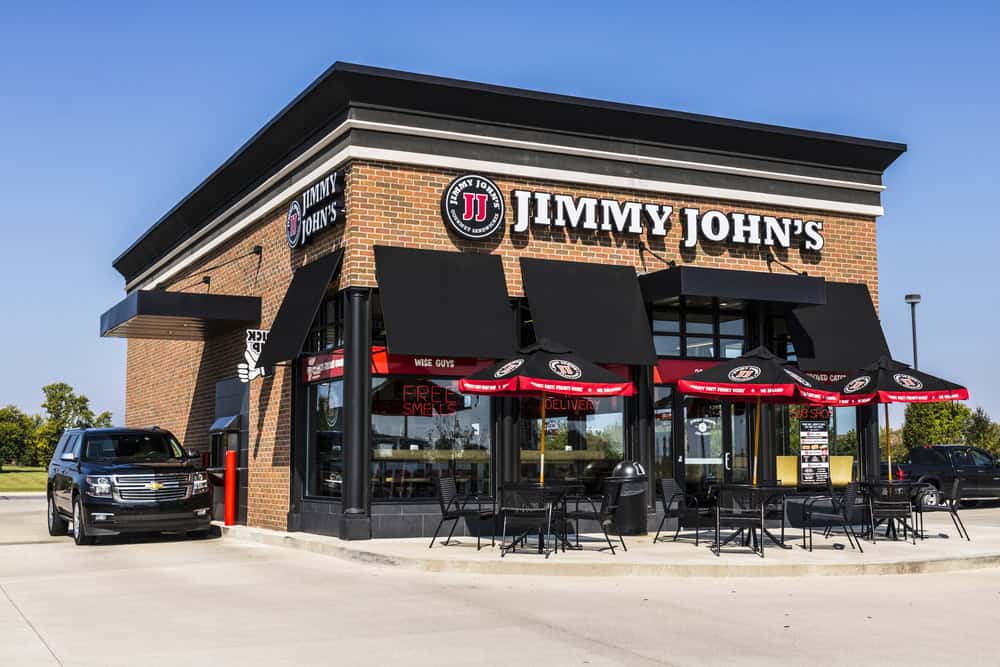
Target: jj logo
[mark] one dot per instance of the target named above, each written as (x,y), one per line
(475,206)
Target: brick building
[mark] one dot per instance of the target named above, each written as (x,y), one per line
(268,312)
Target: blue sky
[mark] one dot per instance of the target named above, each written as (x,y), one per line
(110,114)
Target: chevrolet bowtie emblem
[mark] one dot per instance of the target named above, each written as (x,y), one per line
(154,486)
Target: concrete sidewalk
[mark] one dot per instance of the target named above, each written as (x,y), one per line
(941,551)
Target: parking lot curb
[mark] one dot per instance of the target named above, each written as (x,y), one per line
(357,551)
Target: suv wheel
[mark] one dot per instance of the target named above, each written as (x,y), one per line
(79,527)
(57,524)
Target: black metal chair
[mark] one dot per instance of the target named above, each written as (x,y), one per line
(684,507)
(831,512)
(740,508)
(453,508)
(891,502)
(603,516)
(528,507)
(929,499)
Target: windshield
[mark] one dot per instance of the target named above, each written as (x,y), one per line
(132,447)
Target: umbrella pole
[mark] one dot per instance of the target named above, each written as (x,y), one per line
(541,448)
(756,441)
(888,440)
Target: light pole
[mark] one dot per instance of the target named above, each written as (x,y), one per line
(913,300)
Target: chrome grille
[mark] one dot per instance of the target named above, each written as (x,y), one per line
(141,488)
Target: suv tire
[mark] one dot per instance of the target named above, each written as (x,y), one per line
(57,524)
(80,536)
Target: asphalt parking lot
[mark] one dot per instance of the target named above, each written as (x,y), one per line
(220,601)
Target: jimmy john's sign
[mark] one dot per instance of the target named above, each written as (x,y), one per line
(473,207)
(318,207)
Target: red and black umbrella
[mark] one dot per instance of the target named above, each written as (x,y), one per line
(758,376)
(546,368)
(888,381)
(542,369)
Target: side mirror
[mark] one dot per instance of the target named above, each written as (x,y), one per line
(68,456)
(192,454)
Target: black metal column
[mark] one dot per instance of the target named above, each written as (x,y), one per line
(868,444)
(357,413)
(508,440)
(767,468)
(642,425)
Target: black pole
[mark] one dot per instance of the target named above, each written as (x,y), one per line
(357,392)
(644,426)
(868,433)
(767,468)
(913,325)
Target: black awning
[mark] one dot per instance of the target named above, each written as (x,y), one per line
(441,303)
(726,284)
(225,424)
(159,314)
(841,336)
(594,309)
(298,309)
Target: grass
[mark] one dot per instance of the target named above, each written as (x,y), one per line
(19,478)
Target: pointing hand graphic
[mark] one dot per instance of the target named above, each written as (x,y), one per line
(248,370)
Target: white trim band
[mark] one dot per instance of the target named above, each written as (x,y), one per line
(609,155)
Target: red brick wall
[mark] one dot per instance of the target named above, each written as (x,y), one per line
(172,384)
(399,205)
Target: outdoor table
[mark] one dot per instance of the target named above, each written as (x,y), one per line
(762,493)
(555,495)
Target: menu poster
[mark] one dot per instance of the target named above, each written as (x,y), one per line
(814,452)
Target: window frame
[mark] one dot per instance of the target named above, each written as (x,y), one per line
(684,311)
(493,459)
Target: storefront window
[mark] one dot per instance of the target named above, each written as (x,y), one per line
(663,435)
(422,427)
(325,465)
(584,439)
(327,331)
(781,340)
(699,328)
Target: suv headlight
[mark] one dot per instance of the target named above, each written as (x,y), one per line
(199,483)
(98,486)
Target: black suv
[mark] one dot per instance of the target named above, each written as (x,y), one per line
(106,481)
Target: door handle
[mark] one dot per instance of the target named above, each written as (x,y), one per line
(729,461)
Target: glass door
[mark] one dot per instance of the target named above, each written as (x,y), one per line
(704,445)
(715,445)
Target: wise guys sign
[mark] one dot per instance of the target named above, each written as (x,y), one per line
(473,206)
(319,206)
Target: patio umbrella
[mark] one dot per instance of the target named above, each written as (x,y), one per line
(759,376)
(542,369)
(888,381)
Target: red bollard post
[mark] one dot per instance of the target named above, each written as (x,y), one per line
(230,488)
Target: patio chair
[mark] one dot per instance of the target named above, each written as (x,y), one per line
(684,507)
(603,516)
(740,508)
(527,507)
(891,503)
(929,499)
(453,508)
(831,512)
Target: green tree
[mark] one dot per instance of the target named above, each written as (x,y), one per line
(64,409)
(17,436)
(935,424)
(981,431)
